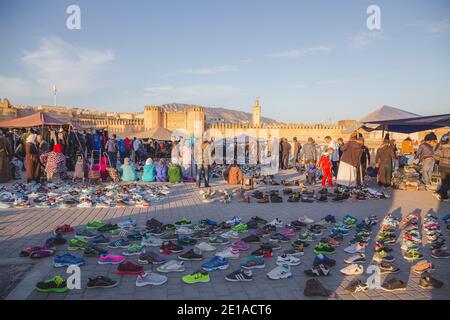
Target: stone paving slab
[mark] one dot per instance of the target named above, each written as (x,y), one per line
(23,227)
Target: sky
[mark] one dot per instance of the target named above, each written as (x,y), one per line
(307,61)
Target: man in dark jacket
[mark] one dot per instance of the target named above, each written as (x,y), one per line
(296,154)
(383,160)
(286,151)
(309,151)
(442,155)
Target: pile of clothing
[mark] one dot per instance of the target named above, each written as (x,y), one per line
(66,195)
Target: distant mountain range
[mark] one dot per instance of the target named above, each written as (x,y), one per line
(219,114)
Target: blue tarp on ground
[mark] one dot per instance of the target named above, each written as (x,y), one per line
(415,124)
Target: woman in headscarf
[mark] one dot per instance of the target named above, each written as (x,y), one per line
(5,154)
(55,163)
(149,174)
(127,171)
(161,171)
(33,168)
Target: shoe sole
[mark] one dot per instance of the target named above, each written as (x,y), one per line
(60,265)
(286,277)
(392,290)
(168,271)
(238,280)
(110,262)
(289,264)
(129,272)
(56,290)
(216,268)
(140,284)
(254,267)
(198,281)
(188,259)
(103,287)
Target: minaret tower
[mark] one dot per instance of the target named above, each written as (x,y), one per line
(256,115)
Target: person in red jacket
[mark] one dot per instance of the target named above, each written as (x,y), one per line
(326,165)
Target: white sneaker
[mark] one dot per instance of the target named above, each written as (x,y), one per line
(353,270)
(306,220)
(151,241)
(151,278)
(184,230)
(280,272)
(276,222)
(171,266)
(289,260)
(229,253)
(357,258)
(204,246)
(230,235)
(356,248)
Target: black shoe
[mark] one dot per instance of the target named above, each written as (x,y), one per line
(191,255)
(386,267)
(252,224)
(251,239)
(276,199)
(323,198)
(154,222)
(94,251)
(314,288)
(357,286)
(259,220)
(428,282)
(101,282)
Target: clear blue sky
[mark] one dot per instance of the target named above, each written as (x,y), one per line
(309,61)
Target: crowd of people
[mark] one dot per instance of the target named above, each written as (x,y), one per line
(349,163)
(53,154)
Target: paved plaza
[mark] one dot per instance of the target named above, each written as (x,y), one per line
(24,227)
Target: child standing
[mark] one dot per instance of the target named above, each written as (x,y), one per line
(326,165)
(311,172)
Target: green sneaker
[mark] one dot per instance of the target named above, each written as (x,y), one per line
(169,227)
(197,276)
(199,227)
(94,224)
(134,249)
(55,284)
(183,222)
(78,244)
(324,248)
(241,227)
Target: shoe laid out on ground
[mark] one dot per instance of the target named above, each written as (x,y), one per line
(251,239)
(278,237)
(353,270)
(216,263)
(55,284)
(120,243)
(393,284)
(129,267)
(57,240)
(241,227)
(357,247)
(85,233)
(218,240)
(42,252)
(191,255)
(229,253)
(184,230)
(101,282)
(423,266)
(196,277)
(66,260)
(263,251)
(280,272)
(288,260)
(150,257)
(186,241)
(65,228)
(359,258)
(357,286)
(100,240)
(94,224)
(253,263)
(133,249)
(294,252)
(230,235)
(240,245)
(110,259)
(94,251)
(126,224)
(171,266)
(386,267)
(241,275)
(440,254)
(324,260)
(204,246)
(412,254)
(152,241)
(183,222)
(428,282)
(314,288)
(317,271)
(383,256)
(170,247)
(109,227)
(150,278)
(323,248)
(234,221)
(306,220)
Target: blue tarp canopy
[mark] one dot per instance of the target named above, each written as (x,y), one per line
(414,124)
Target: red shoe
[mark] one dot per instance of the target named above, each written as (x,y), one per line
(170,246)
(129,267)
(65,228)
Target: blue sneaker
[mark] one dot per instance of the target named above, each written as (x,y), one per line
(340,230)
(186,241)
(66,260)
(85,233)
(208,222)
(126,224)
(323,259)
(100,239)
(446,217)
(216,263)
(121,243)
(330,218)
